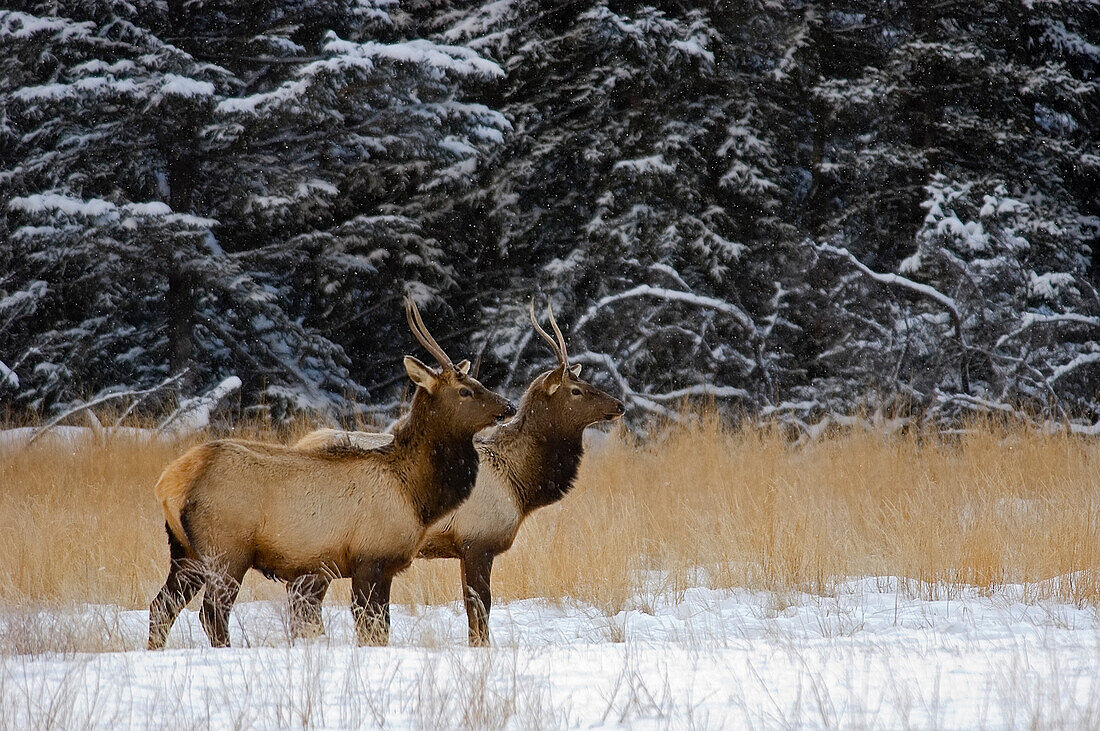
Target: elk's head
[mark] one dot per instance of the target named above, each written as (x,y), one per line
(455,398)
(559,394)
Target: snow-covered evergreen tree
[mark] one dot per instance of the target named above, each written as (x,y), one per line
(952,148)
(643,189)
(202,187)
(800,208)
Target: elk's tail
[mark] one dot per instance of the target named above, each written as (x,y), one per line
(174,487)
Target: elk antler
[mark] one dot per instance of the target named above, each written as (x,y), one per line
(416,324)
(557,332)
(557,346)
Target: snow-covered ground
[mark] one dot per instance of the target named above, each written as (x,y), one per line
(875,654)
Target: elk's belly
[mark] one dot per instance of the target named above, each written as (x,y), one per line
(334,540)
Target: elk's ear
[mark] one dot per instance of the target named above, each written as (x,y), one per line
(575,369)
(421,374)
(463,367)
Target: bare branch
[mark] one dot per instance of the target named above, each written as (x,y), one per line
(671,295)
(1081,360)
(701,389)
(1030,319)
(103,400)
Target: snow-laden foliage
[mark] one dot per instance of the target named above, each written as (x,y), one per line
(795,210)
(640,189)
(198,188)
(953,146)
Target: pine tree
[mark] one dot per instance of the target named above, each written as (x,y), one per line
(643,189)
(203,188)
(941,112)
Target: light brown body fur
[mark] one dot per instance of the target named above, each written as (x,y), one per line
(289,512)
(529,462)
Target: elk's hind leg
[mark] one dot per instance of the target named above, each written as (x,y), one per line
(185,578)
(306,594)
(223,581)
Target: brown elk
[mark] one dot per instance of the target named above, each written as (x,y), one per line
(527,463)
(231,505)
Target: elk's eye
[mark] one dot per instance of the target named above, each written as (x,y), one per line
(576,391)
(465,392)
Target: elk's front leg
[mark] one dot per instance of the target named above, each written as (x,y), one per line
(477,565)
(306,594)
(370,603)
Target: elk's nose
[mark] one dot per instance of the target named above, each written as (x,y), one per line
(619,407)
(509,408)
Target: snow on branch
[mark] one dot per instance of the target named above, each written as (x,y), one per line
(56,204)
(653,401)
(701,389)
(671,295)
(350,56)
(602,359)
(898,281)
(456,59)
(1030,319)
(1062,370)
(923,290)
(8,376)
(194,413)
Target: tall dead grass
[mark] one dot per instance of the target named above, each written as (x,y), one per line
(701,503)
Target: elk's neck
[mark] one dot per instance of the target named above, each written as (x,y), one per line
(540,463)
(441,468)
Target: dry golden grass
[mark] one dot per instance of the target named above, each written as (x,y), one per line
(701,503)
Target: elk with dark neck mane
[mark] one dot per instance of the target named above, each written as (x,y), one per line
(232,505)
(525,464)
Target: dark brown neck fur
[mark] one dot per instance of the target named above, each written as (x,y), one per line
(441,464)
(540,461)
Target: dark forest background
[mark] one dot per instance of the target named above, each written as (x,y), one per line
(796,209)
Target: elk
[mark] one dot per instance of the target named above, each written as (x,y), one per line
(232,505)
(529,462)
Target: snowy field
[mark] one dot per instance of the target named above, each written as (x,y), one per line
(877,653)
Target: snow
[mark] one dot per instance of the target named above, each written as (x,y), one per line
(480,21)
(971,233)
(702,389)
(89,85)
(8,377)
(672,295)
(1062,370)
(45,204)
(193,414)
(1048,286)
(894,279)
(654,164)
(880,652)
(694,47)
(175,85)
(41,203)
(73,436)
(154,208)
(24,298)
(911,264)
(14,24)
(353,55)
